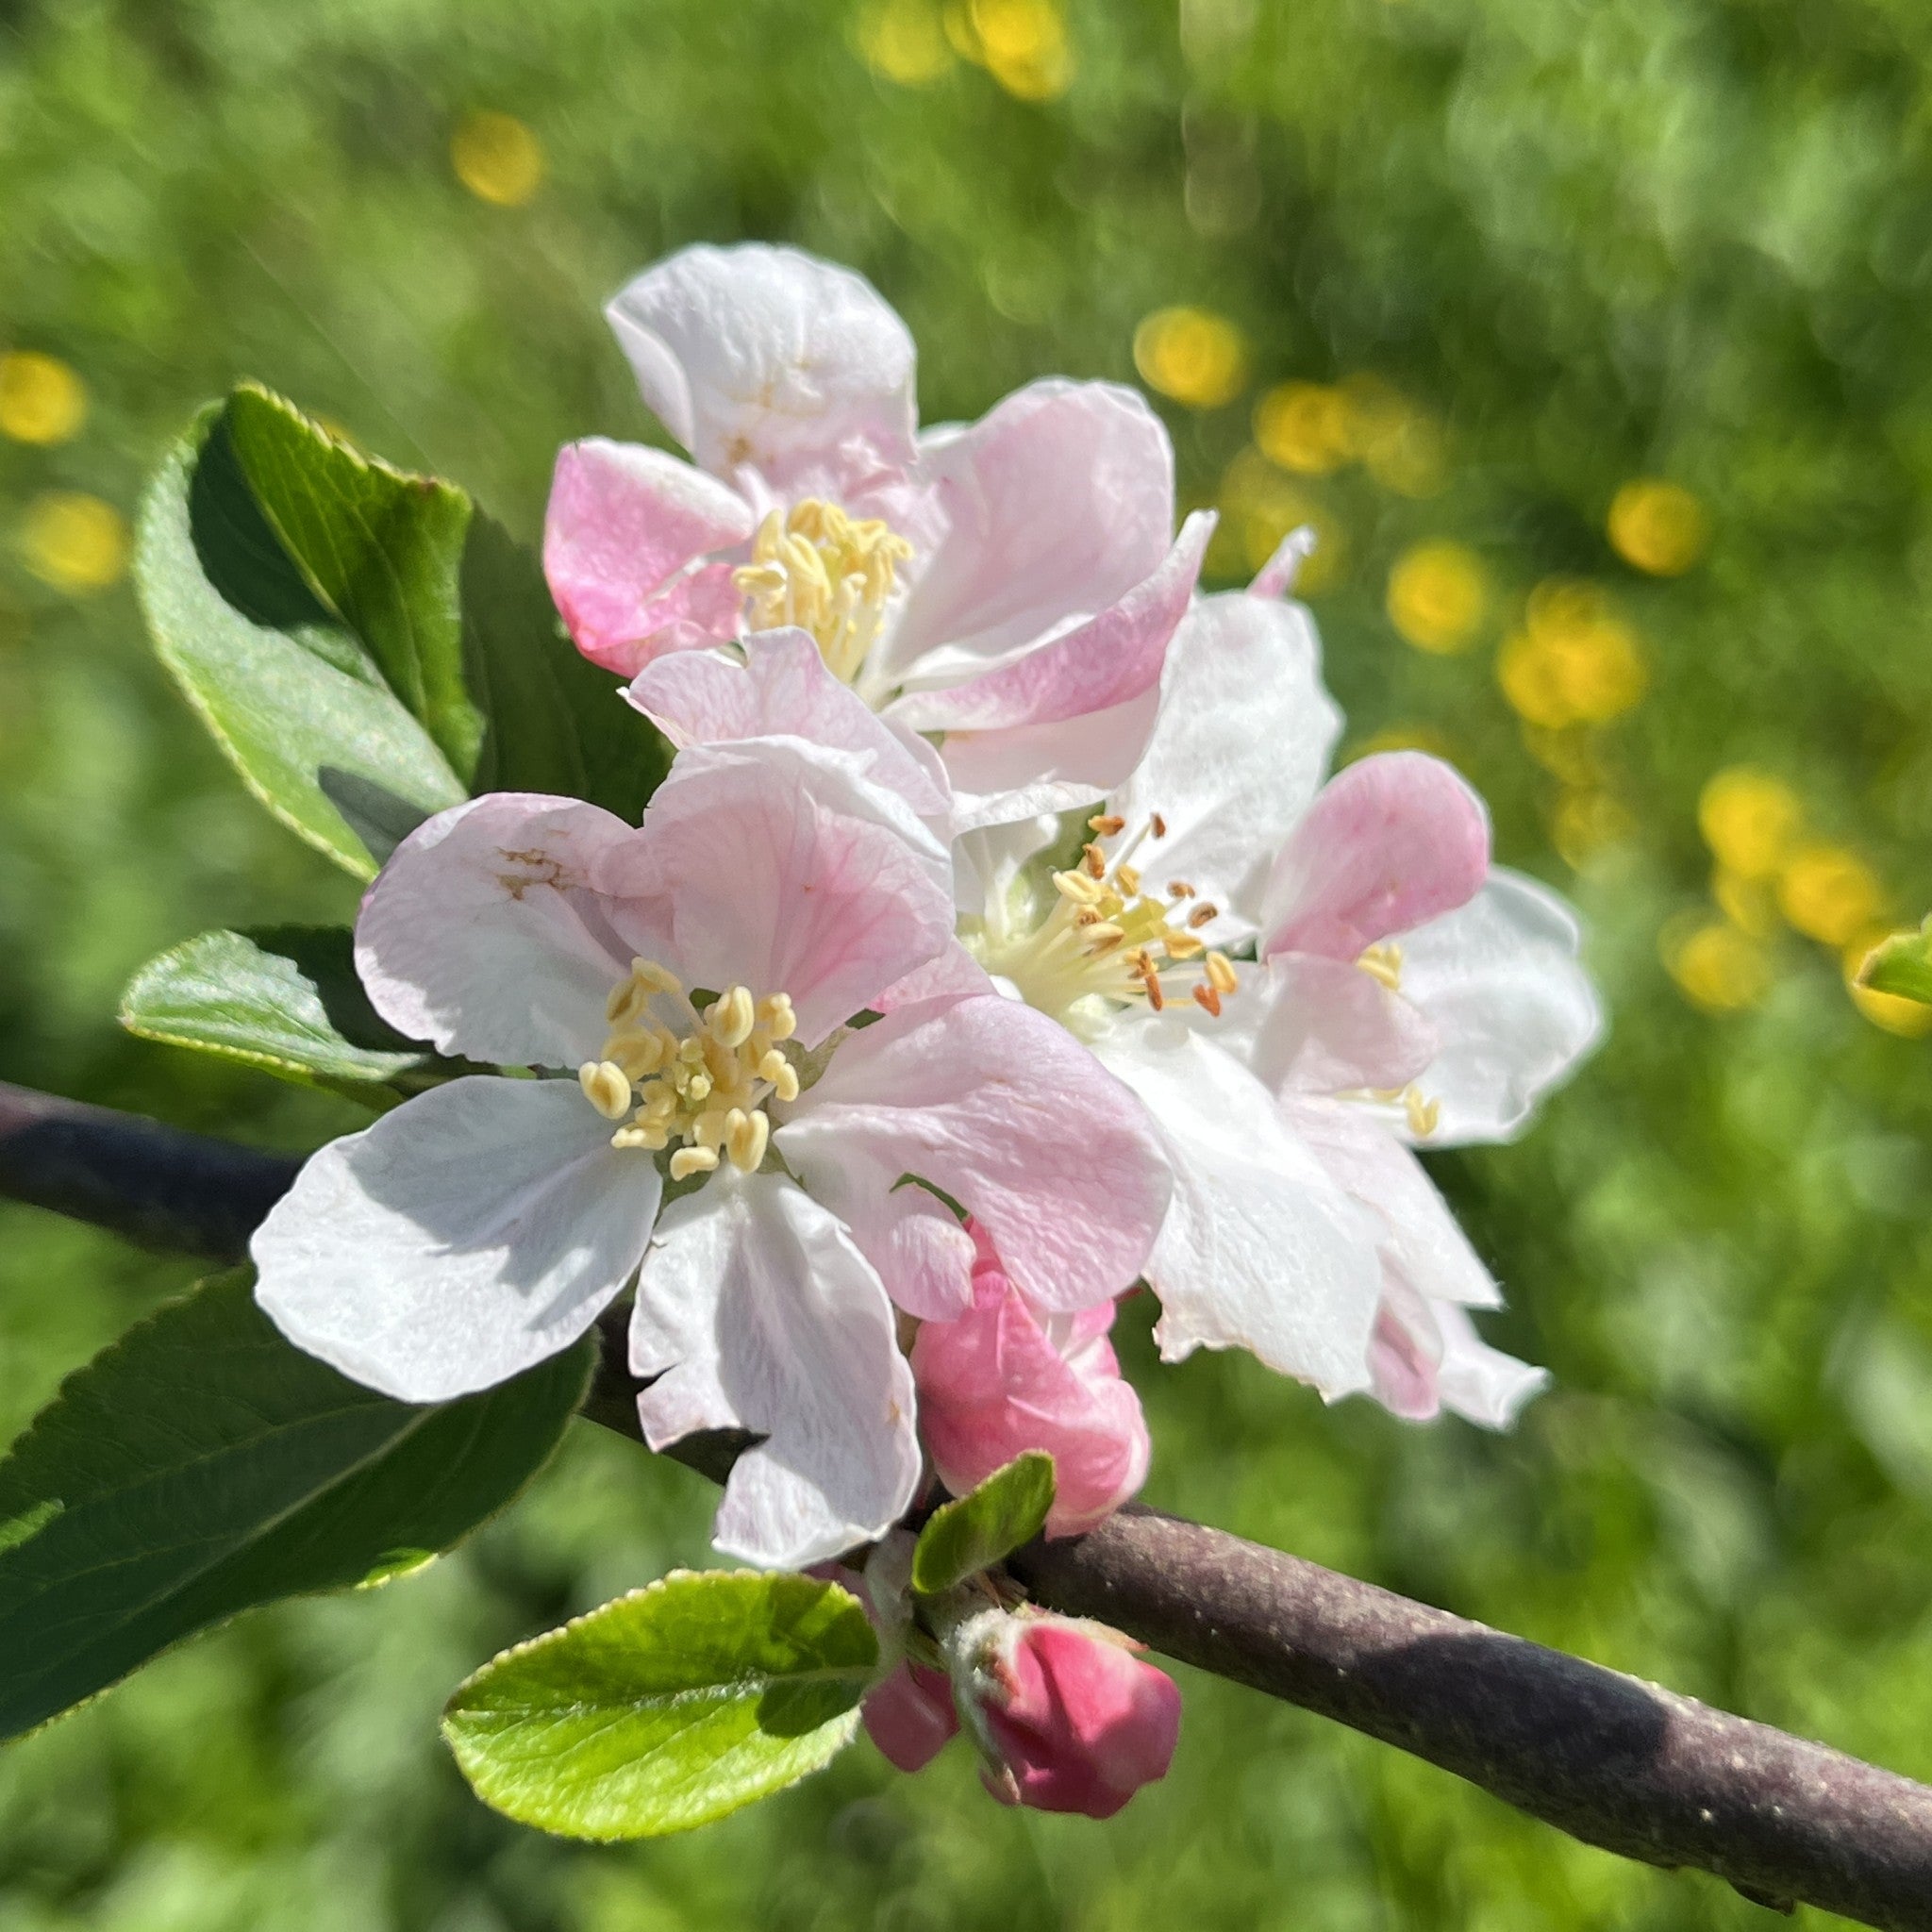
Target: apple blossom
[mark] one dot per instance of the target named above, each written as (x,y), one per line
(1008,587)
(484,1224)
(1003,1378)
(1288,1094)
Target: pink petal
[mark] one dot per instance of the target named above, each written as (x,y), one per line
(909,1716)
(783,689)
(1403,1355)
(1275,578)
(994,1385)
(772,358)
(1007,1113)
(1054,505)
(1389,843)
(624,522)
(485,935)
(1100,664)
(1085,1723)
(763,864)
(954,974)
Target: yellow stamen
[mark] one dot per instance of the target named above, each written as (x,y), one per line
(1221,974)
(746,1137)
(829,573)
(1205,997)
(1128,880)
(732,1018)
(1204,914)
(1383,963)
(1108,825)
(1424,1115)
(1094,859)
(780,1022)
(606,1088)
(690,1161)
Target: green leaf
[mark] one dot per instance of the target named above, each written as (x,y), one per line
(380,548)
(202,1465)
(668,1707)
(557,723)
(1902,965)
(962,1539)
(288,692)
(283,998)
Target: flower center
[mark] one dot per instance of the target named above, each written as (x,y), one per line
(1109,942)
(830,574)
(699,1083)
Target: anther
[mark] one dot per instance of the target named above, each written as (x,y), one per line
(1205,997)
(1383,963)
(653,978)
(1180,889)
(1151,980)
(1203,913)
(1159,826)
(1094,859)
(1106,823)
(606,1088)
(1221,974)
(1076,887)
(780,1022)
(1103,937)
(690,1161)
(732,1018)
(1128,880)
(746,1137)
(1424,1115)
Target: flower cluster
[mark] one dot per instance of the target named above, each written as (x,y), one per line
(998,942)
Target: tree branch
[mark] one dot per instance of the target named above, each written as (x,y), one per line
(1613,1761)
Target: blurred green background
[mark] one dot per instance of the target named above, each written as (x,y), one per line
(1590,333)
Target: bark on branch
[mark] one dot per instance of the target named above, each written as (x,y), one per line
(1621,1764)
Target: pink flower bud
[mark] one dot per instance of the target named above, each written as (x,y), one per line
(909,1716)
(1079,1722)
(1002,1380)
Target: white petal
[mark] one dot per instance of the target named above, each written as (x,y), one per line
(1260,1249)
(1499,981)
(755,1311)
(1419,1234)
(473,1231)
(1244,737)
(773,358)
(1478,1382)
(484,933)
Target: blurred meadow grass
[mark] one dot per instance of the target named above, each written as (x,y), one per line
(1589,335)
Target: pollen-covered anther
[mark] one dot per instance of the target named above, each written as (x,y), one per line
(1094,859)
(746,1137)
(1077,887)
(1128,880)
(1425,1116)
(690,1161)
(1106,823)
(831,574)
(1221,974)
(1180,889)
(606,1088)
(732,1016)
(777,1017)
(1205,996)
(1158,825)
(1204,914)
(1383,963)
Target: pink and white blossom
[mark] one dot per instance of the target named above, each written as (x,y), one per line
(1005,1377)
(1008,587)
(1407,993)
(482,1227)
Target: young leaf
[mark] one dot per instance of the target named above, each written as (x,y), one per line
(283,998)
(1902,965)
(668,1707)
(557,723)
(963,1538)
(285,689)
(379,547)
(202,1465)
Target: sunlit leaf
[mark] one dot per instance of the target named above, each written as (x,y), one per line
(668,1707)
(962,1537)
(1902,965)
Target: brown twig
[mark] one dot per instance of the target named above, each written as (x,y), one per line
(1618,1763)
